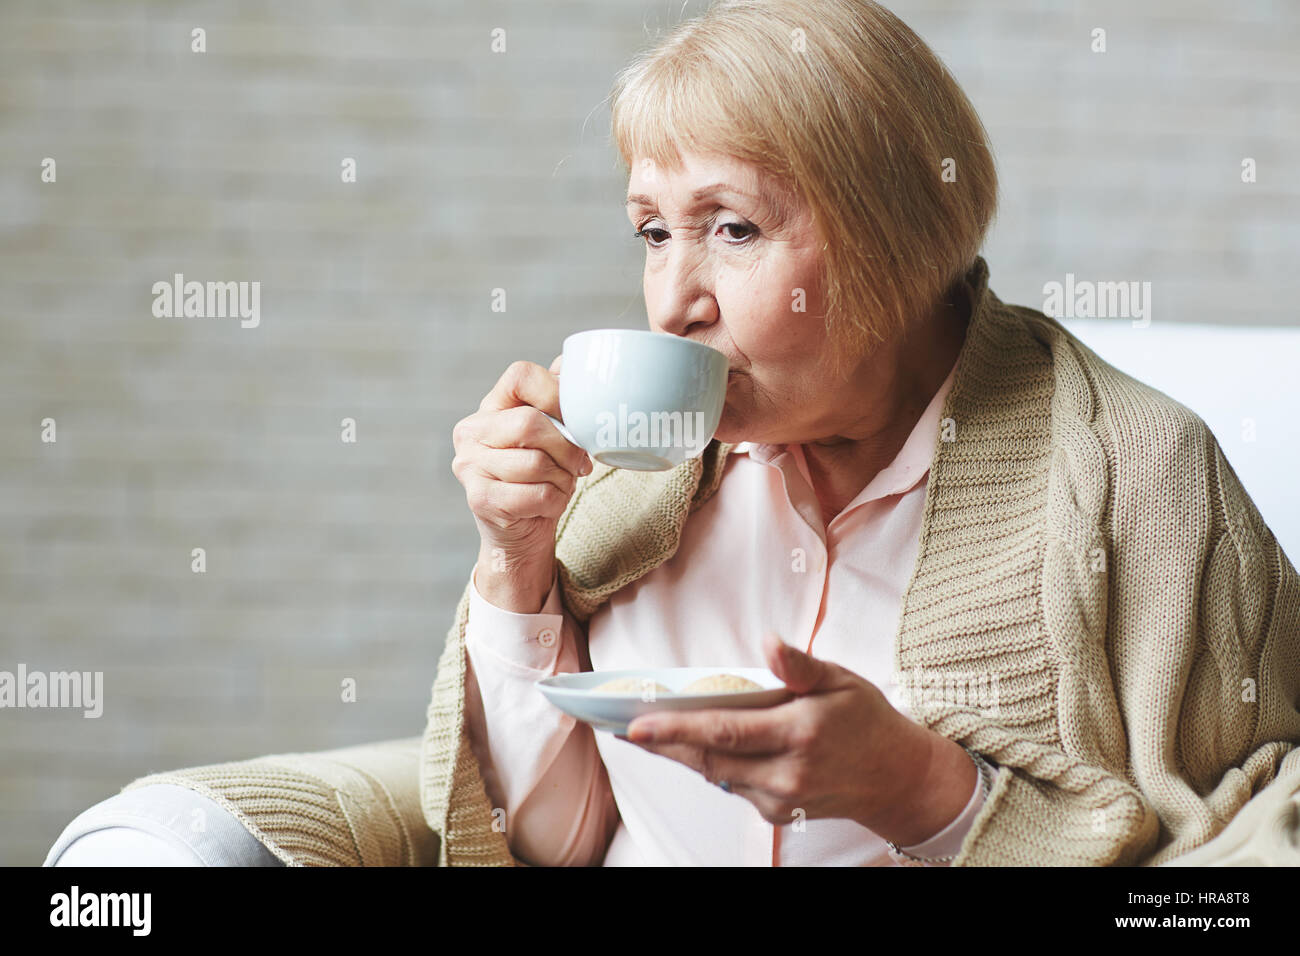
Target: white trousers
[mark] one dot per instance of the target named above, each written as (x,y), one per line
(162,824)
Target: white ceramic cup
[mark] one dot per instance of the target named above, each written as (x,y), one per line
(641,400)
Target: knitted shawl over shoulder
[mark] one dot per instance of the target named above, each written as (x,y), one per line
(1085,543)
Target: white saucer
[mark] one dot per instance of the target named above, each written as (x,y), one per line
(573,694)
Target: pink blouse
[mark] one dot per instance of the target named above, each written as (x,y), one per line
(755,556)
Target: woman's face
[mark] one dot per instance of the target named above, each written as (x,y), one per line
(723,268)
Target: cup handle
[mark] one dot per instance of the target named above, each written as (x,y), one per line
(564,431)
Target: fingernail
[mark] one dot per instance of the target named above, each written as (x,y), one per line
(642,734)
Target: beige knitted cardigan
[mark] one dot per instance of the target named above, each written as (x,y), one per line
(1085,542)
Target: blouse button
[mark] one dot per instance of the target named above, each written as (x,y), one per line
(546,637)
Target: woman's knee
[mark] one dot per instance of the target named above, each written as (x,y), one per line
(158,825)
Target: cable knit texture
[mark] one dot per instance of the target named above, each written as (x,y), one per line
(1086,549)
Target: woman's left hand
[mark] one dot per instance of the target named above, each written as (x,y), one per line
(838,749)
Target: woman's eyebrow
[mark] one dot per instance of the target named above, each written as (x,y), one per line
(699,194)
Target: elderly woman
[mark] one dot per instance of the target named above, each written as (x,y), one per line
(915,490)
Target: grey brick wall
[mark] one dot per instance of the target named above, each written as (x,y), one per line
(328,560)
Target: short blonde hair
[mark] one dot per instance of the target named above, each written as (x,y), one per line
(850,111)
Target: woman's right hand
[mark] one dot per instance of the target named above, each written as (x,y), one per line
(519,473)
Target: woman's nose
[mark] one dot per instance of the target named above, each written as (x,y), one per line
(685,296)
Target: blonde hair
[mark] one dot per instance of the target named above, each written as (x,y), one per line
(852,113)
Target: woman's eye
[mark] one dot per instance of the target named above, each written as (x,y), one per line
(646,234)
(655,237)
(739,225)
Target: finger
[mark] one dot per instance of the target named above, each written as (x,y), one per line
(524,383)
(741,771)
(503,503)
(555,365)
(749,731)
(525,466)
(526,427)
(800,672)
